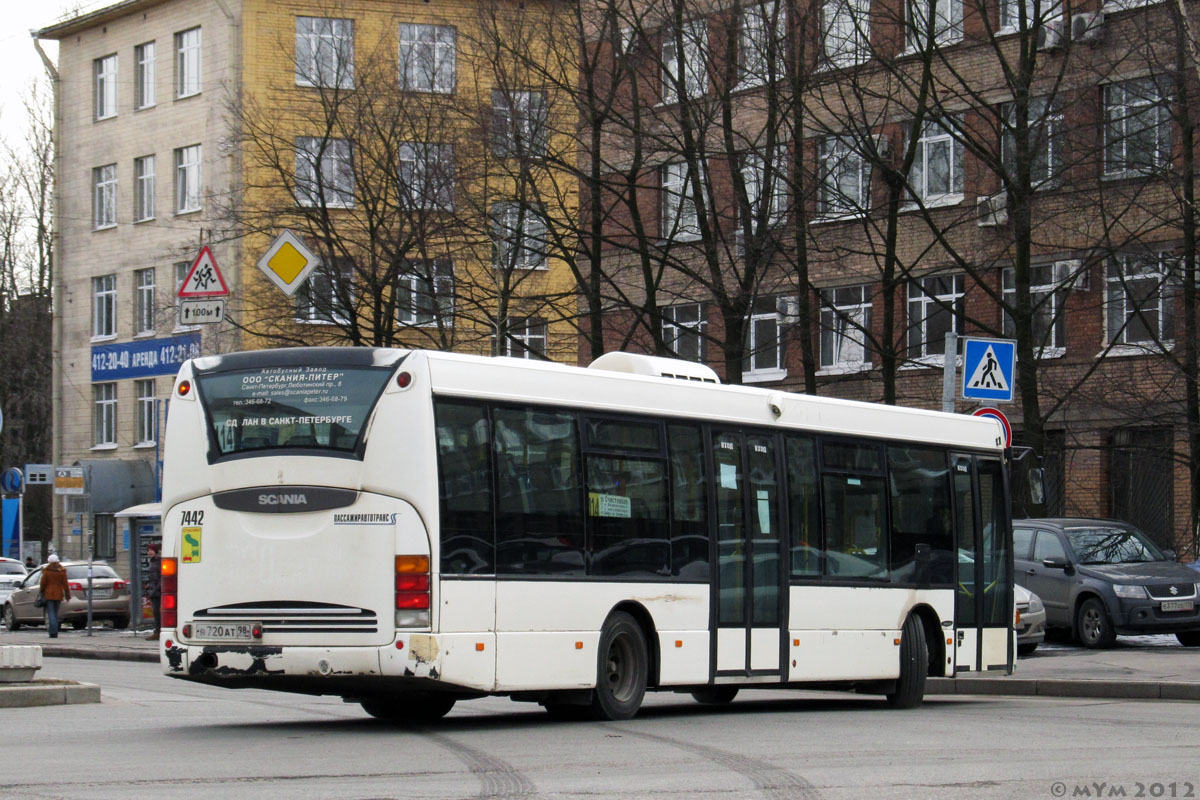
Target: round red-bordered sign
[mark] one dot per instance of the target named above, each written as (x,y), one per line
(997,415)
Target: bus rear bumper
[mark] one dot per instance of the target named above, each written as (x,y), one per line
(410,659)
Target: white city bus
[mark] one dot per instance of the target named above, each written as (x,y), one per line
(408,528)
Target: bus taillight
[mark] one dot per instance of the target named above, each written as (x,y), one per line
(169,601)
(412,591)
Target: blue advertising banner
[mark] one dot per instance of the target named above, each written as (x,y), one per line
(144,358)
(9,543)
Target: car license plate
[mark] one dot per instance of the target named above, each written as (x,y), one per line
(1177,605)
(225,631)
(101,594)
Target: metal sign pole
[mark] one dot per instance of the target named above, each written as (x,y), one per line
(91,557)
(949,370)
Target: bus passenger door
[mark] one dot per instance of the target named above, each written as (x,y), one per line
(983,607)
(749,579)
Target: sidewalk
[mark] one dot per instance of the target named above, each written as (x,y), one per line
(1139,667)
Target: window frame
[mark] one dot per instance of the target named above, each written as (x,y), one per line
(760,36)
(144,308)
(838,308)
(519,123)
(326,40)
(846,24)
(147,412)
(105,74)
(324,169)
(104,197)
(935,133)
(444,47)
(1132,110)
(754,168)
(680,217)
(838,155)
(104,415)
(1051,290)
(104,307)
(948,28)
(1157,267)
(1046,116)
(523,333)
(144,185)
(188,44)
(427,171)
(694,64)
(956,297)
(188,184)
(677,330)
(764,310)
(145,69)
(439,311)
(335,282)
(512,229)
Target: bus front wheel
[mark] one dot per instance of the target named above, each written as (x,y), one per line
(409,707)
(914,666)
(622,669)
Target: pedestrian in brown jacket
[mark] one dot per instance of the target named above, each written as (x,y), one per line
(54,590)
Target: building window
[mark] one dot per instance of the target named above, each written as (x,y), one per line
(761,188)
(1037,12)
(943,19)
(104,306)
(761,44)
(679,217)
(143,301)
(427,176)
(327,297)
(143,76)
(1137,126)
(104,425)
(845,184)
(427,58)
(425,293)
(146,412)
(764,351)
(1047,292)
(104,196)
(325,52)
(935,308)
(525,337)
(684,60)
(845,320)
(684,331)
(845,32)
(324,173)
(1045,123)
(1140,300)
(106,86)
(187,179)
(187,63)
(519,236)
(143,188)
(937,176)
(518,123)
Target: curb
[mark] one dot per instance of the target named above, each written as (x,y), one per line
(67,651)
(49,693)
(1057,687)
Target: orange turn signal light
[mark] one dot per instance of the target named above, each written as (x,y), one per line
(412,563)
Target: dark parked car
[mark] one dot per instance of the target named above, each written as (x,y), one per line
(1100,578)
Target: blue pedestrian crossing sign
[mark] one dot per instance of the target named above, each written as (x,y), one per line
(988,369)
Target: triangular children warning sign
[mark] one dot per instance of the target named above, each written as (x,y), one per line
(204,279)
(988,374)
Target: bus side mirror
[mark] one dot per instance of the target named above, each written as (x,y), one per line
(1037,486)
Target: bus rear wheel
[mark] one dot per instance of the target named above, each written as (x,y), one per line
(415,707)
(622,669)
(914,666)
(715,695)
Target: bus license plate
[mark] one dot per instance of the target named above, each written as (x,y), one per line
(226,631)
(1177,605)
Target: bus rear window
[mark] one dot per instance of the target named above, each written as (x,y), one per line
(306,407)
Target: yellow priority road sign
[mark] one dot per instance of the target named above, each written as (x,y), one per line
(288,262)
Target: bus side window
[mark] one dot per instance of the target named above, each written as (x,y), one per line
(856,544)
(919,481)
(465,489)
(539,509)
(689,507)
(805,507)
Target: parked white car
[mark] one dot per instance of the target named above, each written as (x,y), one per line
(12,572)
(1030,620)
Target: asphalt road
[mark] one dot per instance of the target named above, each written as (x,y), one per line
(157,738)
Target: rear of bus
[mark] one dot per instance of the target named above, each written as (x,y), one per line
(295,553)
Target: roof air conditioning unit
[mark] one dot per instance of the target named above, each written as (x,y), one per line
(1050,35)
(1070,274)
(1087,27)
(789,310)
(993,210)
